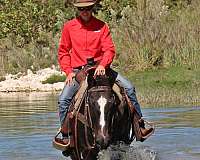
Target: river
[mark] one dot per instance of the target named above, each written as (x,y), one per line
(28,122)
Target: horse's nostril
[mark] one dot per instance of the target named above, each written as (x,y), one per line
(100,140)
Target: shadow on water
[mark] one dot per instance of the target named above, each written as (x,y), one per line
(29,122)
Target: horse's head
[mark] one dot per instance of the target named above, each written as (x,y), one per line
(101,102)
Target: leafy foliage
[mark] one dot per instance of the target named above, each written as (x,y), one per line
(29,32)
(147,33)
(177,3)
(29,19)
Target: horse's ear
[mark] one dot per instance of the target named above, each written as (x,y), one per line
(80,76)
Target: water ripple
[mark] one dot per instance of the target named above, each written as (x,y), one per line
(29,122)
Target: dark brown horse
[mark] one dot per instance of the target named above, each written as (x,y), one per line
(102,118)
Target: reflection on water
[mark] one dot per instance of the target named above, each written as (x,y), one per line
(177,135)
(29,122)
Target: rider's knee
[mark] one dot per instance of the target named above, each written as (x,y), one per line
(63,101)
(130,87)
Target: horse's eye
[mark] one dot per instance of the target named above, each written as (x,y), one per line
(110,101)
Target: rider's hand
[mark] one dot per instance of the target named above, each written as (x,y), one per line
(69,79)
(100,70)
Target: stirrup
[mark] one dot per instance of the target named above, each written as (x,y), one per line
(57,142)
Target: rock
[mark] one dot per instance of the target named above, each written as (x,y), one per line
(19,74)
(29,72)
(31,82)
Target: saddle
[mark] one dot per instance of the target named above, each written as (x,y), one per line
(138,129)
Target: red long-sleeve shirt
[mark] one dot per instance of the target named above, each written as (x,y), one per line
(79,42)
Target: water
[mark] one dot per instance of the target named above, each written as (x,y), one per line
(28,123)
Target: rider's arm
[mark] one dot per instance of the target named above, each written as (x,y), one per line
(108,48)
(65,46)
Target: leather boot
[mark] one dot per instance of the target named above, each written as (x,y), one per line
(146,132)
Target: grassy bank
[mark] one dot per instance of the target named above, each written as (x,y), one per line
(167,87)
(175,86)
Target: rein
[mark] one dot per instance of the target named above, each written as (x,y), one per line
(84,118)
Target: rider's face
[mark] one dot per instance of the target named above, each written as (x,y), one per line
(85,13)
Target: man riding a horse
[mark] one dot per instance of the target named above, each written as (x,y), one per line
(82,38)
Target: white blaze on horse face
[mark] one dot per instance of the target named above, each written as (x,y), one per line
(102,102)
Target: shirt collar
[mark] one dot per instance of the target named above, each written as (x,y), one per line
(81,24)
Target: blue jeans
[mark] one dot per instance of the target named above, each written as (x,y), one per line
(68,92)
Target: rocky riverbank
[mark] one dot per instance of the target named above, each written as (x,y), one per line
(30,82)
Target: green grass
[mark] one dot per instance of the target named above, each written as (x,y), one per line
(175,86)
(172,86)
(54,78)
(174,77)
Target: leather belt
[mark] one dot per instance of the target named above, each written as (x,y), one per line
(79,68)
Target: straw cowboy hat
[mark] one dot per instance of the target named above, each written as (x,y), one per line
(84,3)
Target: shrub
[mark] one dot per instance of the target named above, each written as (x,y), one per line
(150,35)
(54,79)
(147,34)
(2,78)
